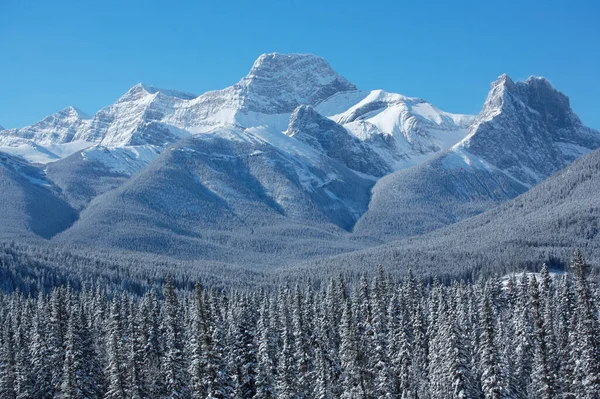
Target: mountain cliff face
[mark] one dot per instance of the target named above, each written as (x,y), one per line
(525,132)
(528,130)
(323,134)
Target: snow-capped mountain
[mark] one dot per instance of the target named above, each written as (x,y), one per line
(528,130)
(525,132)
(401,130)
(292,150)
(48,140)
(405,131)
(59,128)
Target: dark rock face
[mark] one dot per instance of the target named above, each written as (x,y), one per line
(325,135)
(528,130)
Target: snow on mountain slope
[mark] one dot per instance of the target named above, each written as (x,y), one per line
(136,119)
(44,154)
(229,196)
(48,140)
(400,130)
(308,126)
(525,132)
(127,160)
(55,129)
(31,204)
(544,224)
(403,130)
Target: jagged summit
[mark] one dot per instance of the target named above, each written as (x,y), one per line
(142,89)
(57,128)
(278,83)
(537,93)
(528,130)
(274,66)
(72,112)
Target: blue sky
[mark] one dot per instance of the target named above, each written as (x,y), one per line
(87,53)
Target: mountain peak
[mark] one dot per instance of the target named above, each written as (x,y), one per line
(278,83)
(503,79)
(266,63)
(305,111)
(142,90)
(528,130)
(72,112)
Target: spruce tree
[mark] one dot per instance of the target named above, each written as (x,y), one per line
(492,383)
(40,353)
(115,370)
(173,363)
(587,328)
(542,384)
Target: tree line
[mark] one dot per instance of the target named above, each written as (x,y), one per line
(528,335)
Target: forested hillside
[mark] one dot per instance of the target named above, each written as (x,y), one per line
(522,336)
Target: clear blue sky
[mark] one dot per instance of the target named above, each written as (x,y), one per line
(87,53)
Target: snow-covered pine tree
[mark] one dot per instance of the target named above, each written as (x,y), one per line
(115,368)
(135,383)
(7,361)
(40,352)
(173,363)
(352,378)
(587,328)
(522,340)
(566,321)
(197,367)
(492,383)
(265,370)
(542,379)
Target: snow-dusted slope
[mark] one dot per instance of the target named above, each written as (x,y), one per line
(31,204)
(238,199)
(525,132)
(50,139)
(403,130)
(544,224)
